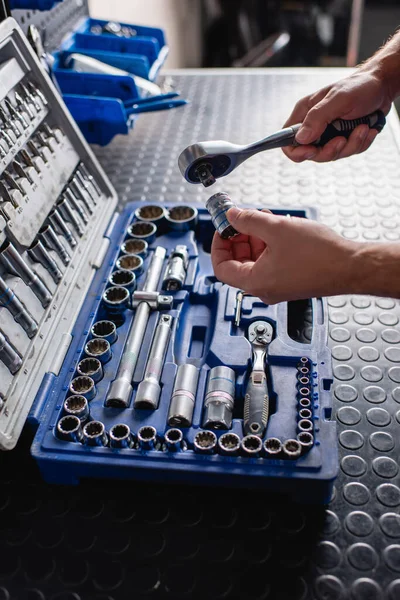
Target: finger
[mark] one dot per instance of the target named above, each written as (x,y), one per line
(330,151)
(241,251)
(221,250)
(233,272)
(257,247)
(319,117)
(369,139)
(299,154)
(252,222)
(355,141)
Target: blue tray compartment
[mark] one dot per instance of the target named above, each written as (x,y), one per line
(204,335)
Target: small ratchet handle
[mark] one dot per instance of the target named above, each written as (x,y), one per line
(256,405)
(345,127)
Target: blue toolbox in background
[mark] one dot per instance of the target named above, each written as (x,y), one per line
(116,340)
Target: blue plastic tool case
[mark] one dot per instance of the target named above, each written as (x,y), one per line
(204,333)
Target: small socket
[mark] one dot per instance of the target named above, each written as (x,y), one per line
(229,444)
(143,230)
(132,246)
(306,440)
(147,437)
(305,402)
(303,391)
(182,217)
(99,348)
(251,445)
(94,434)
(305,425)
(121,436)
(303,371)
(174,439)
(83,386)
(304,380)
(69,428)
(130,262)
(77,406)
(116,299)
(106,330)
(305,413)
(205,442)
(150,212)
(91,367)
(123,278)
(291,449)
(272,447)
(303,362)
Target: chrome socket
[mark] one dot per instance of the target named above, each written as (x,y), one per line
(106,330)
(60,227)
(306,440)
(69,429)
(50,239)
(305,402)
(94,434)
(303,371)
(272,447)
(98,348)
(218,205)
(305,425)
(205,442)
(229,444)
(147,437)
(130,262)
(91,367)
(83,386)
(143,230)
(219,400)
(291,449)
(10,301)
(76,204)
(182,217)
(116,299)
(304,381)
(123,278)
(305,413)
(121,436)
(151,213)
(304,392)
(77,406)
(183,396)
(9,356)
(251,446)
(175,273)
(135,246)
(39,254)
(174,440)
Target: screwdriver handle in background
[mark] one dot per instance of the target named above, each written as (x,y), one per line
(256,404)
(345,127)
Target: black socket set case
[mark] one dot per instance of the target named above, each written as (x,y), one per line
(62,291)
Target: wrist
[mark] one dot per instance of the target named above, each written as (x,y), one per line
(384,66)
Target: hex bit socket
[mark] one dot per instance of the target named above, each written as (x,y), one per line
(39,254)
(10,301)
(183,396)
(16,265)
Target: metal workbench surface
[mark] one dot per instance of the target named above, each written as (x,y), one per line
(114,540)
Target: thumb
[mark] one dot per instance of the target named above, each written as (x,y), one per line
(318,118)
(250,222)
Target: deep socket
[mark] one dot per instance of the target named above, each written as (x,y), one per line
(67,212)
(219,399)
(116,299)
(251,446)
(39,254)
(182,217)
(60,227)
(123,278)
(130,262)
(305,402)
(174,440)
(77,406)
(16,265)
(149,389)
(13,304)
(121,436)
(26,157)
(50,239)
(175,272)
(143,231)
(272,447)
(229,444)
(106,330)
(99,348)
(83,386)
(83,168)
(306,440)
(183,396)
(76,204)
(87,186)
(147,437)
(218,205)
(9,356)
(91,367)
(291,449)
(79,191)
(21,172)
(23,105)
(94,434)
(305,413)
(69,428)
(151,212)
(133,246)
(305,425)
(205,442)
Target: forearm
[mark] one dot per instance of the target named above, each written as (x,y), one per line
(376,270)
(385,64)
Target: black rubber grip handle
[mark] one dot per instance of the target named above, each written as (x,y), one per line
(344,128)
(256,406)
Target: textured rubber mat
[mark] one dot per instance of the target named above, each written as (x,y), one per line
(120,540)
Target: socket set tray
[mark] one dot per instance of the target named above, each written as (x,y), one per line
(118,344)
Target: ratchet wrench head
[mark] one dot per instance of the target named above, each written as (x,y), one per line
(205,162)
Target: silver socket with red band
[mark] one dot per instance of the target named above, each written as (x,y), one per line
(219,400)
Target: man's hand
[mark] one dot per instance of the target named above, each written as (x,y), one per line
(279,258)
(355,96)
